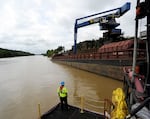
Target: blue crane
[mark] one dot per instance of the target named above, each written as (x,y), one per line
(106,22)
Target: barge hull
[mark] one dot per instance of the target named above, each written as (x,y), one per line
(108,68)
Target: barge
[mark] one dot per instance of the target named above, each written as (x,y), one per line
(72,113)
(108,60)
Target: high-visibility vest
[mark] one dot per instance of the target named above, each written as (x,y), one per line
(62,92)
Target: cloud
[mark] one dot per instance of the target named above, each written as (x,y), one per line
(38,25)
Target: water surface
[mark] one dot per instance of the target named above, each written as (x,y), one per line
(27,81)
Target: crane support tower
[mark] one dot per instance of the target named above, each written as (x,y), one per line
(106,22)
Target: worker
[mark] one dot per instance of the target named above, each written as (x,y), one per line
(138,82)
(62,93)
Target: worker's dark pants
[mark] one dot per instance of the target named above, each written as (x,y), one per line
(64,103)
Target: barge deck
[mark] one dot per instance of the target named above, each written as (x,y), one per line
(72,113)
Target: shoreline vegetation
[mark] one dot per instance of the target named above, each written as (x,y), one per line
(85,46)
(4,53)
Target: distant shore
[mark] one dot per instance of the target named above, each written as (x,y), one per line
(4,53)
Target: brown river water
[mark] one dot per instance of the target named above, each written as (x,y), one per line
(26,82)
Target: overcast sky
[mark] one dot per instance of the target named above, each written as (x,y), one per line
(38,25)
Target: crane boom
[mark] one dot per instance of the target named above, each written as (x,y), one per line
(106,22)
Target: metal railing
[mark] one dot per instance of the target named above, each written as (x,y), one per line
(120,54)
(104,106)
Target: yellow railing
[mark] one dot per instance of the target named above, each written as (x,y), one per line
(39,110)
(103,106)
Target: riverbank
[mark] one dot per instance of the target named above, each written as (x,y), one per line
(5,53)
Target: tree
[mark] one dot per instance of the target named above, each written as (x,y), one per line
(58,50)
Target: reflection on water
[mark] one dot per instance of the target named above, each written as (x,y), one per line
(27,81)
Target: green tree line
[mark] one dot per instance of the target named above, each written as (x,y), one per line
(86,45)
(12,53)
(58,50)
